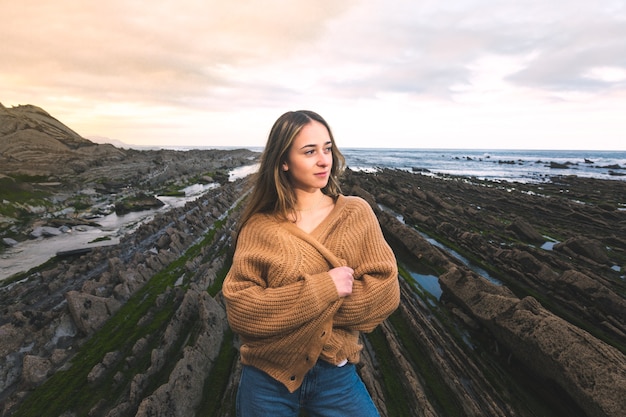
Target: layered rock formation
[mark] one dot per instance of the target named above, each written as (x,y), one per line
(50,314)
(49,171)
(520,327)
(576,339)
(507,338)
(32,142)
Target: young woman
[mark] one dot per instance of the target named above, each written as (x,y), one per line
(311,270)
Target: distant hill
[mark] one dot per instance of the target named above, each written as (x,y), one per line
(32,142)
(22,122)
(117,143)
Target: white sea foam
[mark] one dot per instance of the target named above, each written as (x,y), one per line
(499,165)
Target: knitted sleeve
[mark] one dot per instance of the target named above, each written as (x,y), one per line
(271,288)
(376,292)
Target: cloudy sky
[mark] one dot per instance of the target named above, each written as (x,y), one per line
(523,74)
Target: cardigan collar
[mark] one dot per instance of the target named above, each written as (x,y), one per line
(312,238)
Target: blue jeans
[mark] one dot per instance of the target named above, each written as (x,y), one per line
(327,391)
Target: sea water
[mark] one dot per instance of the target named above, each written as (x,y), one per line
(495,165)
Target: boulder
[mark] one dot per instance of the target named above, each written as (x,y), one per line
(584,246)
(524,231)
(90,312)
(45,231)
(7,241)
(36,370)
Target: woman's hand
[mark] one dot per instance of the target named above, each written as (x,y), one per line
(343,278)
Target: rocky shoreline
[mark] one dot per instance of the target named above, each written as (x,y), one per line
(559,312)
(50,174)
(528,316)
(556,318)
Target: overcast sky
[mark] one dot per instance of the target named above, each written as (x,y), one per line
(520,74)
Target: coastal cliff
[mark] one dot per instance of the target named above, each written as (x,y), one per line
(513,327)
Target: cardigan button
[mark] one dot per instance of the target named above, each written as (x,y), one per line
(323,333)
(292,377)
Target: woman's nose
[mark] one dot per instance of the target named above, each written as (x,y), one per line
(324,159)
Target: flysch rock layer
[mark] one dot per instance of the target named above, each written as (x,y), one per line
(518,315)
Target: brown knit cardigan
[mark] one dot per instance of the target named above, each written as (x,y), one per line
(283,303)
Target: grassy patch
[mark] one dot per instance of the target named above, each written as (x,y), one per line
(80,202)
(101,239)
(69,390)
(21,190)
(217,382)
(437,391)
(397,399)
(172,190)
(216,287)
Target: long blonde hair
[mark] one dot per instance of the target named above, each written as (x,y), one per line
(272,192)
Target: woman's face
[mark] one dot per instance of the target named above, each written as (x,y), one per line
(310,158)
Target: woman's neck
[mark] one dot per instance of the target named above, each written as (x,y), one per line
(308,220)
(309,201)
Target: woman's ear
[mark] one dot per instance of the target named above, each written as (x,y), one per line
(285,166)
